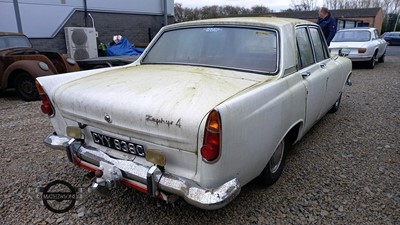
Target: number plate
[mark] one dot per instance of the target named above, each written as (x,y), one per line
(346,51)
(119,145)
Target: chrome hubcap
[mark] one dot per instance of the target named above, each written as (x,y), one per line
(276,158)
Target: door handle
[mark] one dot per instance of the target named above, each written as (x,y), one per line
(305,74)
(322,65)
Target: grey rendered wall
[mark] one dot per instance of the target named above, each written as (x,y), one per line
(135,27)
(43,18)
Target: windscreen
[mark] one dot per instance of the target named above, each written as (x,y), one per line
(352,36)
(224,47)
(8,42)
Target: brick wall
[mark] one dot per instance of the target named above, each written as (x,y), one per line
(376,21)
(132,26)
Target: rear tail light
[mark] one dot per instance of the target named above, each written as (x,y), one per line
(362,50)
(46,106)
(212,137)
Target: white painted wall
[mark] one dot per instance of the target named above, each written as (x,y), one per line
(42,18)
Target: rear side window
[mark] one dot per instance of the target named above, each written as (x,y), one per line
(306,57)
(319,45)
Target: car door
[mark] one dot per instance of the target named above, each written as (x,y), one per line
(314,76)
(381,43)
(329,67)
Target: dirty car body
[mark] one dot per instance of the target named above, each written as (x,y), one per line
(20,64)
(209,106)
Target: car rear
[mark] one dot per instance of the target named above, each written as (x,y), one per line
(152,124)
(129,119)
(355,43)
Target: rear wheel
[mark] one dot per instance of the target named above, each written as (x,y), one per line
(371,62)
(274,168)
(26,89)
(382,58)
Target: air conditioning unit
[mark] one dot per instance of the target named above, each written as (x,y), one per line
(81,42)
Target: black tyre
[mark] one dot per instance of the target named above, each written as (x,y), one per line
(336,106)
(371,63)
(382,58)
(25,86)
(274,168)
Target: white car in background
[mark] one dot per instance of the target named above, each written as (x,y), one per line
(360,45)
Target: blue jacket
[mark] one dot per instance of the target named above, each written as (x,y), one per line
(328,26)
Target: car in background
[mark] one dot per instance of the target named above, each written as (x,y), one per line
(209,106)
(20,65)
(392,38)
(360,45)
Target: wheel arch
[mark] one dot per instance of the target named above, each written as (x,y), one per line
(29,66)
(376,51)
(13,76)
(293,135)
(346,81)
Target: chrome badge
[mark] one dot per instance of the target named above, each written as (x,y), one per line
(107,118)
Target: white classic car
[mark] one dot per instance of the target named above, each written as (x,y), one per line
(209,106)
(360,45)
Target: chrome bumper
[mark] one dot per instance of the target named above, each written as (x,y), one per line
(190,191)
(359,58)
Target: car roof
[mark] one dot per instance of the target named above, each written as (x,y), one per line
(254,21)
(11,34)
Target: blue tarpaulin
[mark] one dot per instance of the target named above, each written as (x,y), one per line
(123,48)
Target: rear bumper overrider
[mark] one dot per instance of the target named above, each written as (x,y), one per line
(147,179)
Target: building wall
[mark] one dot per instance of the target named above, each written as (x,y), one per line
(379,21)
(374,21)
(137,28)
(44,18)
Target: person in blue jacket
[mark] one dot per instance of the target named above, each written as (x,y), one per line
(327,24)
